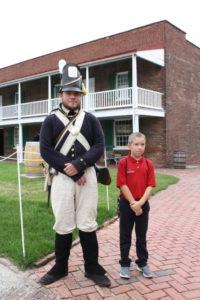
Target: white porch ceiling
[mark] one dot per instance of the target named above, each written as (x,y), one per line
(156,56)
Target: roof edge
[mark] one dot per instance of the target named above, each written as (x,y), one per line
(92,41)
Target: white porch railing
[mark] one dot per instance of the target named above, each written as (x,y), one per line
(111,99)
(9,112)
(36,108)
(149,98)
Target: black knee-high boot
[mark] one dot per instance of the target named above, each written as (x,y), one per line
(93,269)
(63,244)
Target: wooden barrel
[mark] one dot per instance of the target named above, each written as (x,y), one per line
(33,160)
(179,160)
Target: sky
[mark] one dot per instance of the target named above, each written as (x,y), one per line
(31,28)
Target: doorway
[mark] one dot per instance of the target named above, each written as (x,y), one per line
(1,142)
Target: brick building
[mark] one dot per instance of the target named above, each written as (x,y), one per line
(145,79)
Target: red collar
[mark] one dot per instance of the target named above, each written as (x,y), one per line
(140,160)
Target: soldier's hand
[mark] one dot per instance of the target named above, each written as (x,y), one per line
(81,180)
(70,170)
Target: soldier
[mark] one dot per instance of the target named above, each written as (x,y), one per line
(71,141)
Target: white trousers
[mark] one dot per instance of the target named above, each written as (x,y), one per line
(74,205)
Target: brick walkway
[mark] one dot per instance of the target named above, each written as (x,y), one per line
(174,248)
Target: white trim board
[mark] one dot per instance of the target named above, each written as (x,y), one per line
(156,56)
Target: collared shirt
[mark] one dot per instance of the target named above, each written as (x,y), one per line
(69,113)
(136,174)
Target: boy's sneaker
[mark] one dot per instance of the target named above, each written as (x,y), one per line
(146,272)
(125,272)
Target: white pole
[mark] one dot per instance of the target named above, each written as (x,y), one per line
(107,195)
(20,200)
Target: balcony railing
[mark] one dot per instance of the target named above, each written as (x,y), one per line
(9,112)
(36,108)
(112,99)
(148,98)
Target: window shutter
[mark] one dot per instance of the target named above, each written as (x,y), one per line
(25,135)
(11,99)
(112,79)
(107,126)
(129,78)
(23,97)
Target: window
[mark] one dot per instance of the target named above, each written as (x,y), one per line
(123,94)
(123,128)
(56,90)
(91,84)
(122,80)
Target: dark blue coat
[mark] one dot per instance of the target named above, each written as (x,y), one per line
(78,155)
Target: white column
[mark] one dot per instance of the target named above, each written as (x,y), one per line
(49,94)
(20,125)
(87,106)
(135,93)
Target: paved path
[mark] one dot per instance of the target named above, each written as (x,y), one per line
(174,248)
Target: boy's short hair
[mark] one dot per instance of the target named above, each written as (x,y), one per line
(134,135)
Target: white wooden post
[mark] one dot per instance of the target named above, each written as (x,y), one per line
(49,94)
(135,94)
(87,89)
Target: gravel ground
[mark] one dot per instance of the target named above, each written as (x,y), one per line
(14,284)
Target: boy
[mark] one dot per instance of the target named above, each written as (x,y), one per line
(136,179)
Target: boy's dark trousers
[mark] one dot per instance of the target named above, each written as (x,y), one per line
(127,221)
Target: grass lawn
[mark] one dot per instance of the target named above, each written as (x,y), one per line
(38,218)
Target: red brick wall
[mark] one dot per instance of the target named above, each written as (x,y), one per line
(7,94)
(182,96)
(35,90)
(154,129)
(150,76)
(31,91)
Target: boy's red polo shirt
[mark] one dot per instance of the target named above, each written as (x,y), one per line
(136,174)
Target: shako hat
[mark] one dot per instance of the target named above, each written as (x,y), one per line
(71,78)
